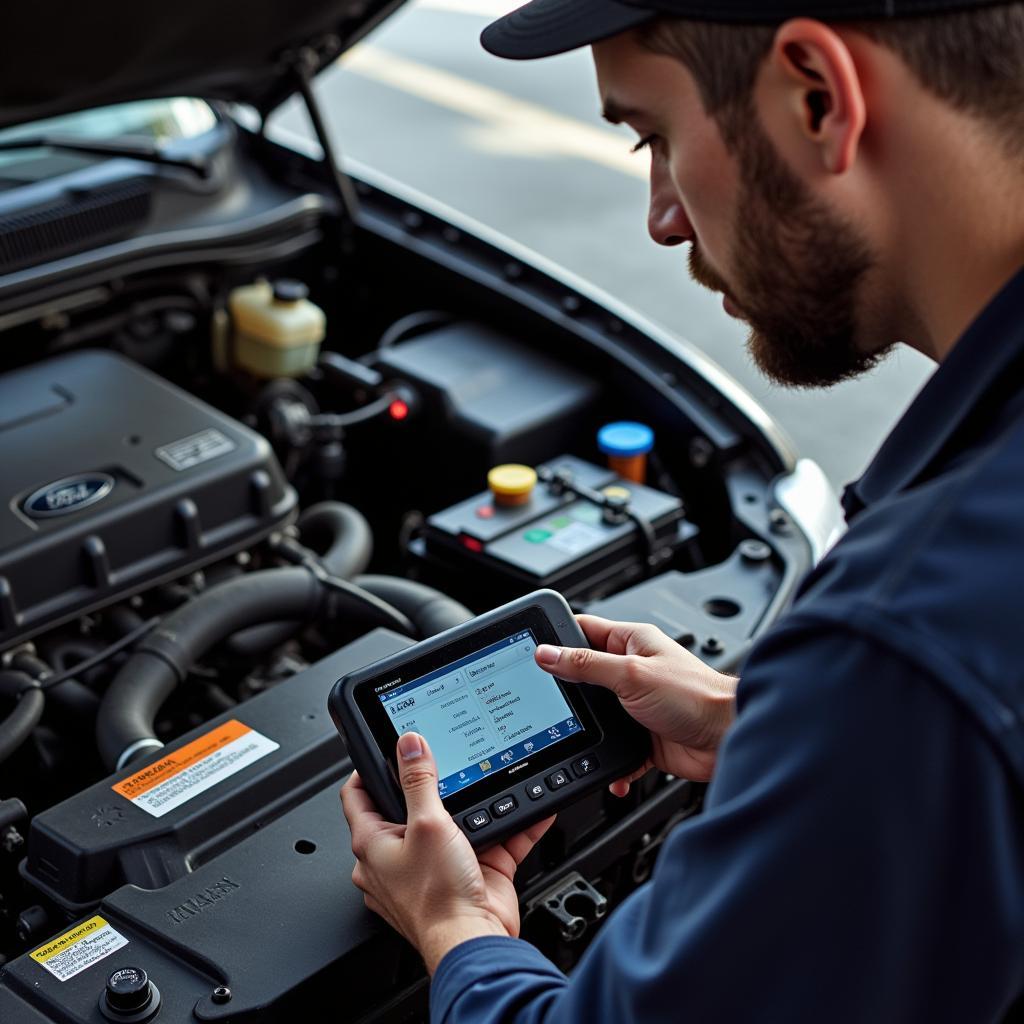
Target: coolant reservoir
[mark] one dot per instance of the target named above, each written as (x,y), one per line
(277,330)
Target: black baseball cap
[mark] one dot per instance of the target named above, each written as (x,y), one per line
(546,27)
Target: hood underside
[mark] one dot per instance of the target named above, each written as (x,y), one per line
(64,57)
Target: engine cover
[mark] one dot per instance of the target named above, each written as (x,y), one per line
(114,480)
(244,883)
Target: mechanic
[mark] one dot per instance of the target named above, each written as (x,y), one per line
(849,175)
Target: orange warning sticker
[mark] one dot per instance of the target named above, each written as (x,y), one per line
(186,772)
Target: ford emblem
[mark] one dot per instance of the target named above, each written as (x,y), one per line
(63,497)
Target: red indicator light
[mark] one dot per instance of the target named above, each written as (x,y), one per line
(398,410)
(485,512)
(471,544)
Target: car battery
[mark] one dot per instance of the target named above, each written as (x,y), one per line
(582,530)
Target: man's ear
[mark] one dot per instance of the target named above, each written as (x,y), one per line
(821,89)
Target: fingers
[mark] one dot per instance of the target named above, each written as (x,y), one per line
(603,634)
(498,859)
(625,637)
(507,856)
(356,801)
(359,877)
(620,787)
(582,665)
(417,773)
(364,820)
(621,648)
(520,845)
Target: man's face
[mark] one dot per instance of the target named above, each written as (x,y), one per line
(785,262)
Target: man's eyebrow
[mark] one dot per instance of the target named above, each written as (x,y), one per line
(615,113)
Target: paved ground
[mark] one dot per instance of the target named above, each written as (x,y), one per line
(521,147)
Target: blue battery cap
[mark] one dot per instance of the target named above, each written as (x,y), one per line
(625,439)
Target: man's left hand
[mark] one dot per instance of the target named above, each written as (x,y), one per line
(423,877)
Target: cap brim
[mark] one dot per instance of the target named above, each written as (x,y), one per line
(546,27)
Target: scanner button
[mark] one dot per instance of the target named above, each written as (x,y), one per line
(506,805)
(584,766)
(477,820)
(534,790)
(556,780)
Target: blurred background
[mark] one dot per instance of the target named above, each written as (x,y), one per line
(521,148)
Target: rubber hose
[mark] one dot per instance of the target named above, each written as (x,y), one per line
(60,656)
(18,725)
(342,532)
(344,535)
(430,610)
(70,701)
(259,640)
(123,620)
(73,701)
(128,710)
(12,812)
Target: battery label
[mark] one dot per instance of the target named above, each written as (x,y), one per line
(195,449)
(194,768)
(86,944)
(578,538)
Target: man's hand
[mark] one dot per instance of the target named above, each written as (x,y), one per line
(686,705)
(423,877)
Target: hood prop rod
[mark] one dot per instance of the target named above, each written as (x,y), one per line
(305,66)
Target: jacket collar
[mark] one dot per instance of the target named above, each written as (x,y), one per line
(956,392)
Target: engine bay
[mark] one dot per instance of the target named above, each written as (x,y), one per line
(232,480)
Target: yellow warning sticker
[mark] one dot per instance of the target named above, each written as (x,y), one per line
(86,944)
(192,769)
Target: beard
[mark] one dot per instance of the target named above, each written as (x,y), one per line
(797,267)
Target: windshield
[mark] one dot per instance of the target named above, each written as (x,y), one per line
(153,120)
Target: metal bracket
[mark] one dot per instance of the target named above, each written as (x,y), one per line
(574,904)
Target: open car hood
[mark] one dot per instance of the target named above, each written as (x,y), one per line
(56,58)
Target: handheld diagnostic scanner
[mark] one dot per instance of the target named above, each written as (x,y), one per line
(513,744)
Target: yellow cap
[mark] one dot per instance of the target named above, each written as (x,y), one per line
(614,491)
(512,484)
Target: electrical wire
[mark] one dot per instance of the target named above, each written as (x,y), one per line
(100,656)
(413,323)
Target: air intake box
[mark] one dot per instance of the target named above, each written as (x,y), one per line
(113,480)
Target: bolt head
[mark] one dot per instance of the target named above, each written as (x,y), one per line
(754,550)
(702,451)
(221,994)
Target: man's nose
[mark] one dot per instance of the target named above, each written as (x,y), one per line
(667,222)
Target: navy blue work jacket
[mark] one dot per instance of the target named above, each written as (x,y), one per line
(861,855)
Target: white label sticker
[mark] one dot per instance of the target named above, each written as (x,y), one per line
(577,538)
(195,449)
(194,768)
(86,944)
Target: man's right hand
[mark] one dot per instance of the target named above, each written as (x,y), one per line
(686,705)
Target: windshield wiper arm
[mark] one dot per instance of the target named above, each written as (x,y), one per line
(150,153)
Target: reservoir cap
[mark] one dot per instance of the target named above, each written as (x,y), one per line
(287,290)
(129,997)
(625,439)
(129,990)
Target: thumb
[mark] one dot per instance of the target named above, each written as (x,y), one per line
(583,665)
(417,773)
